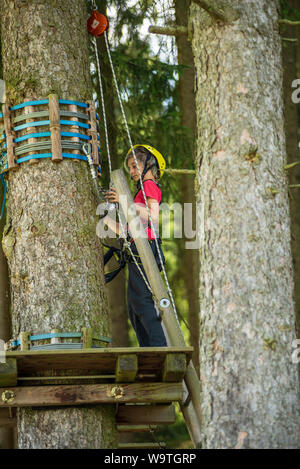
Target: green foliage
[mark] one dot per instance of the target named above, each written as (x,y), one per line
(1,66)
(288,12)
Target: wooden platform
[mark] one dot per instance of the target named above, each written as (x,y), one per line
(93,376)
(111,364)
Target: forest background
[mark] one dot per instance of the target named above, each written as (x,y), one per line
(158,94)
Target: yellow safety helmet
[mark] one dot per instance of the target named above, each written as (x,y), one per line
(158,156)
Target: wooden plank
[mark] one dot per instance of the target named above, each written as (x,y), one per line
(8,372)
(159,414)
(29,130)
(8,422)
(146,445)
(137,428)
(150,359)
(55,128)
(92,132)
(87,337)
(74,128)
(55,340)
(8,417)
(40,396)
(174,367)
(10,135)
(126,368)
(24,341)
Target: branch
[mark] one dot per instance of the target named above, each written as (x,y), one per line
(218,10)
(289,39)
(291,165)
(180,171)
(169,30)
(291,23)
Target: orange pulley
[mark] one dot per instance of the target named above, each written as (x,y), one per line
(97,24)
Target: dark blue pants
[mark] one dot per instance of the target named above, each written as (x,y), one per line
(141,309)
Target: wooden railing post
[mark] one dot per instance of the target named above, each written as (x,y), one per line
(92,132)
(10,135)
(55,128)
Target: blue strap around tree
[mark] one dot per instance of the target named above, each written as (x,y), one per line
(47,122)
(46,101)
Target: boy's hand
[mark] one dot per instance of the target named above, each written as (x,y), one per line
(112,195)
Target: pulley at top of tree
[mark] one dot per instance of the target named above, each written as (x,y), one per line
(97,23)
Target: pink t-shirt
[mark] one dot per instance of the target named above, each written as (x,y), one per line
(153,191)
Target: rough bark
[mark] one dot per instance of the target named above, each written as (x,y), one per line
(54,255)
(188,120)
(6,434)
(250,388)
(290,73)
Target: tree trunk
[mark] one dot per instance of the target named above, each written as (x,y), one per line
(289,55)
(250,388)
(6,434)
(54,255)
(291,65)
(188,121)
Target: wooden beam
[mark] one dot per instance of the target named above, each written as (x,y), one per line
(174,367)
(55,128)
(175,172)
(218,10)
(87,337)
(24,341)
(102,360)
(90,394)
(289,22)
(92,132)
(30,110)
(10,136)
(8,373)
(74,129)
(146,445)
(8,422)
(8,417)
(169,30)
(137,428)
(159,414)
(126,368)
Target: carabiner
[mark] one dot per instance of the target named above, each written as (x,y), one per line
(87,149)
